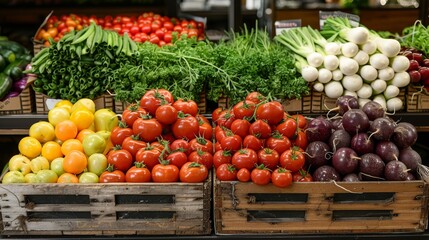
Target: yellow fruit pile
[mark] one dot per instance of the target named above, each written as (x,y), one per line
(57,150)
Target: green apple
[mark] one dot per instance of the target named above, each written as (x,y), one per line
(13,177)
(88,177)
(20,163)
(31,178)
(46,176)
(57,166)
(39,163)
(97,163)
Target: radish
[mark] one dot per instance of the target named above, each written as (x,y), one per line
(394,104)
(379,61)
(378,86)
(331,62)
(349,49)
(352,83)
(318,86)
(391,92)
(324,75)
(348,66)
(337,75)
(361,58)
(401,79)
(369,47)
(334,89)
(386,74)
(400,63)
(365,91)
(368,73)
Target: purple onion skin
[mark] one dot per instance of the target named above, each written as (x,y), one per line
(387,150)
(382,128)
(345,103)
(351,177)
(410,158)
(405,135)
(316,154)
(371,164)
(395,171)
(326,173)
(355,120)
(410,177)
(345,161)
(362,144)
(319,129)
(10,95)
(373,110)
(339,138)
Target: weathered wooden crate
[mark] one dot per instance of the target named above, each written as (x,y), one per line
(21,104)
(106,209)
(43,105)
(417,99)
(320,207)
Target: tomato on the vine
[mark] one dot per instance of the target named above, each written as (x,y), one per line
(260,128)
(138,173)
(149,129)
(244,109)
(245,158)
(112,176)
(252,142)
(255,97)
(268,157)
(260,175)
(202,157)
(272,112)
(181,145)
(193,172)
(302,176)
(166,114)
(165,172)
(220,157)
(120,158)
(278,142)
(149,156)
(231,142)
(288,128)
(292,160)
(186,126)
(240,127)
(201,144)
(281,177)
(119,133)
(186,106)
(216,113)
(177,158)
(300,140)
(153,98)
(226,172)
(133,144)
(301,120)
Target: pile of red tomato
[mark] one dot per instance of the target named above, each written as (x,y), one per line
(147,26)
(256,140)
(160,140)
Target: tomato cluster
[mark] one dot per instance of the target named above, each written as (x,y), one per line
(257,140)
(165,140)
(147,26)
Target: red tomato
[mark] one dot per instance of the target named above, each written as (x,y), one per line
(192,33)
(220,157)
(160,34)
(168,37)
(302,121)
(225,118)
(149,156)
(132,113)
(245,158)
(152,99)
(112,176)
(301,140)
(202,118)
(177,158)
(226,172)
(181,145)
(217,146)
(220,133)
(216,113)
(133,144)
(134,30)
(231,142)
(243,175)
(138,173)
(288,128)
(168,25)
(205,130)
(177,28)
(292,160)
(255,97)
(146,28)
(260,128)
(201,157)
(244,109)
(201,144)
(186,127)
(272,112)
(148,129)
(193,172)
(240,127)
(278,142)
(260,175)
(268,157)
(120,158)
(119,133)
(302,176)
(252,142)
(166,114)
(281,178)
(164,172)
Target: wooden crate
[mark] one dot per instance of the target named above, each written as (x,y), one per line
(106,209)
(43,105)
(21,104)
(320,207)
(417,99)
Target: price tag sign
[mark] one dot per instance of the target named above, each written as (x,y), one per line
(323,15)
(284,25)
